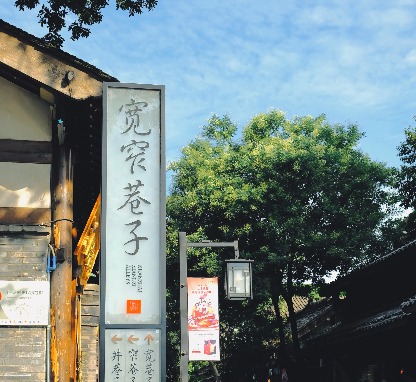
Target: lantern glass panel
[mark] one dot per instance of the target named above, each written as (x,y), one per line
(238,280)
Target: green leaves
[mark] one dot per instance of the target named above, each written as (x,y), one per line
(265,125)
(54,14)
(407,178)
(136,6)
(299,195)
(299,187)
(219,130)
(22,4)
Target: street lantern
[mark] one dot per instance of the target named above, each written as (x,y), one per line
(238,279)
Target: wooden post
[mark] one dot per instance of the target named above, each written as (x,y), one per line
(62,291)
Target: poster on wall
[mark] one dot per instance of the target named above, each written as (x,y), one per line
(24,303)
(203,319)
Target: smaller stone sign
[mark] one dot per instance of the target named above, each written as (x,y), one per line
(132,355)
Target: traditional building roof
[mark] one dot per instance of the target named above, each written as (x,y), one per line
(374,265)
(374,301)
(312,313)
(409,305)
(47,67)
(74,88)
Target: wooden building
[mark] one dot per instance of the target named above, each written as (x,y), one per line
(50,174)
(366,329)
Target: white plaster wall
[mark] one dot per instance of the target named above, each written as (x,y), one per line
(23,115)
(25,185)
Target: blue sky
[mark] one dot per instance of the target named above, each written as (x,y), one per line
(354,61)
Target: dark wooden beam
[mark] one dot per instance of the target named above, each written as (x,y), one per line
(25,215)
(20,151)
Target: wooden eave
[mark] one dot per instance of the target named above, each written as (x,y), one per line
(384,321)
(386,264)
(74,87)
(52,68)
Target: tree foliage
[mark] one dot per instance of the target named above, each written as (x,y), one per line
(298,194)
(407,154)
(407,179)
(54,14)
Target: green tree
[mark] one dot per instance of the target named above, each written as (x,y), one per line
(407,154)
(298,194)
(54,14)
(407,179)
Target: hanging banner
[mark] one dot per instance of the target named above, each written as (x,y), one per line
(203,319)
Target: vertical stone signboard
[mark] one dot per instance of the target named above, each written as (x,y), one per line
(133,237)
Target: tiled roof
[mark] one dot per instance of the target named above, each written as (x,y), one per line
(382,320)
(399,313)
(409,305)
(388,255)
(378,320)
(341,280)
(313,312)
(299,303)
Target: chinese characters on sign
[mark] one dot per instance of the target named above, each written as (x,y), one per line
(24,303)
(203,319)
(132,355)
(132,193)
(133,323)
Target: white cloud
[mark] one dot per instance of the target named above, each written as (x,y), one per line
(410,57)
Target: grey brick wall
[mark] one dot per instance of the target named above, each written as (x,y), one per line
(23,252)
(22,354)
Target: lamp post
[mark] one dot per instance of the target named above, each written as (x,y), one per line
(238,286)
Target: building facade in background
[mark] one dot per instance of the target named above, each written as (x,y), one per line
(50,173)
